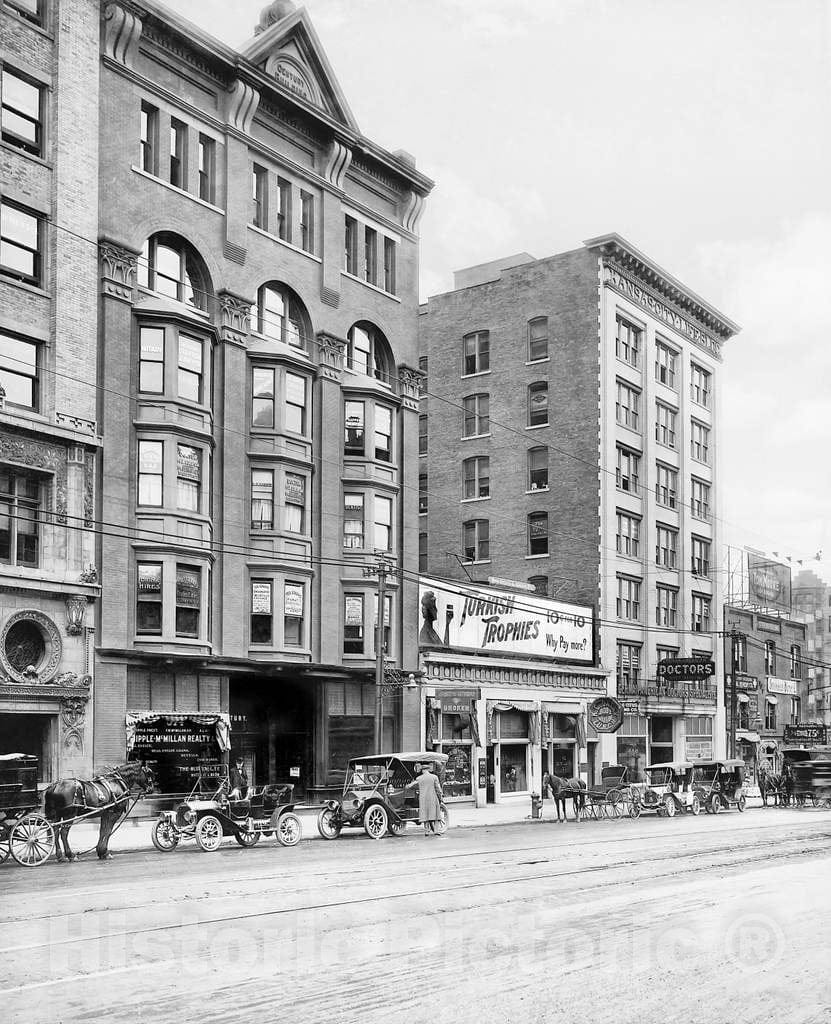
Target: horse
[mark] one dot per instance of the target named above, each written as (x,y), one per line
(104,797)
(566,789)
(773,784)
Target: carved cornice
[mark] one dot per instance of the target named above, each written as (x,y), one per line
(234,317)
(66,687)
(122,31)
(241,105)
(411,384)
(372,171)
(411,211)
(170,42)
(331,352)
(118,270)
(337,164)
(84,426)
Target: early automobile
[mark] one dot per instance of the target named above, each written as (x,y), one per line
(380,795)
(208,815)
(720,784)
(669,789)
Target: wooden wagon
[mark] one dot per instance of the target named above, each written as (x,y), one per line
(25,834)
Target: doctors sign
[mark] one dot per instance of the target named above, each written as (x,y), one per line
(676,669)
(471,617)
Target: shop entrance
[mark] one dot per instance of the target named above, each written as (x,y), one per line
(30,734)
(661,748)
(490,789)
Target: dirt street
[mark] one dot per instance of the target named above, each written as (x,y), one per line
(695,920)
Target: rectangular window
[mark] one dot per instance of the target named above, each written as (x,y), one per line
(795,716)
(665,420)
(19,518)
(149,598)
(628,470)
(31,10)
(262,612)
(383,524)
(667,607)
(390,248)
(21,114)
(353,624)
(700,613)
(476,415)
(259,197)
(190,368)
(422,493)
(628,342)
(700,557)
(796,661)
(666,485)
(700,502)
(293,613)
(149,139)
(262,397)
(383,433)
(284,209)
(476,482)
(739,654)
(627,405)
(770,715)
(350,246)
(422,435)
(666,547)
(666,360)
(537,469)
(353,520)
(700,385)
(178,153)
(476,540)
(21,243)
(628,665)
(370,255)
(538,404)
(151,360)
(354,430)
(628,538)
(770,657)
(19,377)
(307,222)
(666,653)
(295,403)
(422,365)
(387,620)
(538,339)
(151,473)
(538,533)
(207,168)
(188,600)
(262,499)
(700,442)
(294,503)
(477,353)
(189,478)
(422,552)
(628,599)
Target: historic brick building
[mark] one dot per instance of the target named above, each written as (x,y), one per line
(49,430)
(569,439)
(258,393)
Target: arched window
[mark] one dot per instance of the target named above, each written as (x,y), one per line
(538,404)
(369,353)
(170,266)
(281,316)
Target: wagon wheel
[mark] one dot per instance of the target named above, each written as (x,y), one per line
(209,833)
(247,839)
(289,830)
(165,836)
(634,808)
(328,823)
(614,808)
(375,821)
(4,842)
(31,840)
(741,803)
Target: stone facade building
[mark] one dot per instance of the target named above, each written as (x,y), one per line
(259,394)
(49,422)
(569,439)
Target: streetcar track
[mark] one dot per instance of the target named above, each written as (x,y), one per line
(752,858)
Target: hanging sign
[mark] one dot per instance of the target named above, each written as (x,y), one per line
(686,668)
(605,714)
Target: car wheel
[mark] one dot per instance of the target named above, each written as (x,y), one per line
(247,839)
(376,821)
(209,833)
(669,807)
(695,806)
(741,803)
(715,804)
(328,823)
(398,828)
(443,823)
(165,835)
(289,829)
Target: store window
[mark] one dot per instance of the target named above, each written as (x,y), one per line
(699,741)
(456,735)
(20,371)
(20,514)
(350,711)
(631,746)
(660,743)
(512,728)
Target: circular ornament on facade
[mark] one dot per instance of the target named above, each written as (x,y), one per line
(30,639)
(606,714)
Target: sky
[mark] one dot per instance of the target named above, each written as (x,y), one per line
(697,129)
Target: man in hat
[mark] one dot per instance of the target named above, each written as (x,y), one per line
(238,780)
(430,799)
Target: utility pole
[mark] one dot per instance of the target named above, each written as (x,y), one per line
(381,569)
(735,638)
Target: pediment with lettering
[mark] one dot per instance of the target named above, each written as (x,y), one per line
(290,52)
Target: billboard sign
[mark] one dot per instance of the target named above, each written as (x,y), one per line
(768,583)
(468,616)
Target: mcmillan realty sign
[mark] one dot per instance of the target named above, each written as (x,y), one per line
(471,617)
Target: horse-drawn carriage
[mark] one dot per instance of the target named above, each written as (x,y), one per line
(25,833)
(720,784)
(615,797)
(810,778)
(208,815)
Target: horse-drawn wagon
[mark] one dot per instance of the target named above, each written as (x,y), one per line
(25,834)
(615,797)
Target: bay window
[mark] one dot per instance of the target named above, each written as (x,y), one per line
(262,499)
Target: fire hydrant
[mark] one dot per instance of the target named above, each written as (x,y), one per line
(536,806)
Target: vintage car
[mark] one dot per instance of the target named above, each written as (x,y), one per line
(720,784)
(208,815)
(669,789)
(380,795)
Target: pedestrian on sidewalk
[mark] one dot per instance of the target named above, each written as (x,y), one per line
(430,799)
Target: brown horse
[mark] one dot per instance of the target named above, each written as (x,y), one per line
(107,797)
(566,789)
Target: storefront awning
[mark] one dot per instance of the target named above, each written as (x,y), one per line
(748,737)
(742,698)
(771,699)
